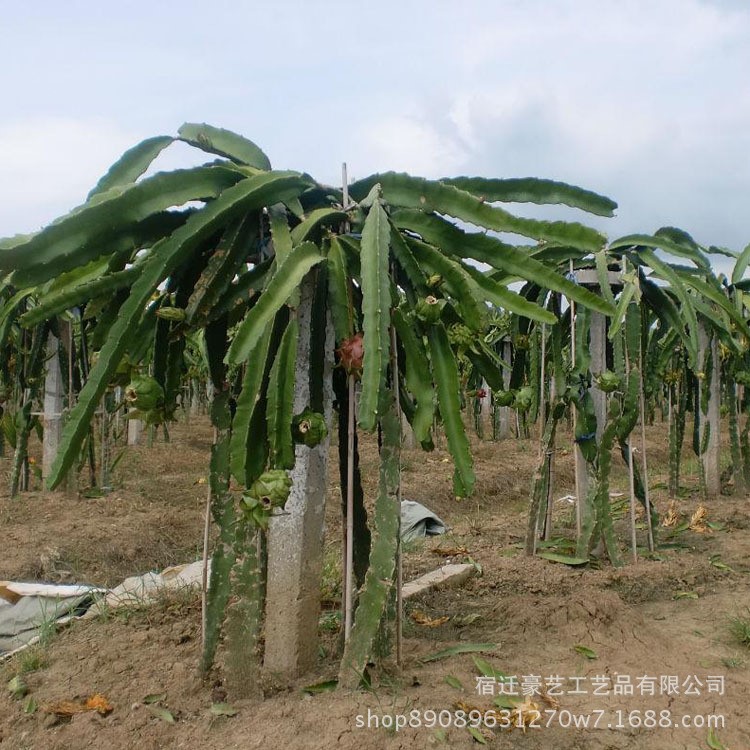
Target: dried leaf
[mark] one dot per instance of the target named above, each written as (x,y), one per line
(714,742)
(477,735)
(321,687)
(454,682)
(526,712)
(99,704)
(223,709)
(565,559)
(450,551)
(17,687)
(461,648)
(486,669)
(717,563)
(68,708)
(154,698)
(670,518)
(698,520)
(162,713)
(584,651)
(426,621)
(461,621)
(685,595)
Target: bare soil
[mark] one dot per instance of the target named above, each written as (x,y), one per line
(666,616)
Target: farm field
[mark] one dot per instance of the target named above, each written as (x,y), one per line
(668,616)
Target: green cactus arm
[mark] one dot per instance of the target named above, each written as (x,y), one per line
(408,263)
(687,310)
(224,143)
(486,249)
(251,193)
(223,514)
(507,299)
(418,377)
(242,288)
(280,232)
(376,303)
(282,285)
(225,262)
(643,241)
(339,292)
(379,578)
(317,218)
(86,232)
(55,304)
(280,407)
(132,164)
(246,405)
(445,375)
(534,190)
(457,281)
(414,192)
(244,614)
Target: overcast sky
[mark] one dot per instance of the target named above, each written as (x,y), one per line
(645,101)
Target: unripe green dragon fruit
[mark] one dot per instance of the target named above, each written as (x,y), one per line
(435,280)
(608,381)
(144,393)
(309,428)
(521,341)
(503,398)
(429,309)
(271,489)
(523,398)
(171,313)
(460,335)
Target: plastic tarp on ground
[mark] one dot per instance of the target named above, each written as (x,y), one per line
(418,521)
(26,609)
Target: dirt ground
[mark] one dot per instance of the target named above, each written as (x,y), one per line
(590,630)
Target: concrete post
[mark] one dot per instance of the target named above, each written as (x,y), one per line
(295,539)
(135,428)
(598,349)
(485,412)
(711,458)
(54,389)
(505,412)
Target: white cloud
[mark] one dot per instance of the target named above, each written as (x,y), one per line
(48,165)
(409,144)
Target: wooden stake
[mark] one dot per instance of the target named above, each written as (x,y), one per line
(644,463)
(204,573)
(542,405)
(399,565)
(633,537)
(348,574)
(576,449)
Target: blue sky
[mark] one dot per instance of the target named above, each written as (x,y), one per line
(645,101)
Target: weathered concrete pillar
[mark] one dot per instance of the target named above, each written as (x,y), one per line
(407,434)
(598,350)
(135,428)
(485,410)
(505,414)
(711,421)
(295,539)
(54,390)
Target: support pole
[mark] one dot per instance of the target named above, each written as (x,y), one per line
(711,421)
(53,405)
(295,538)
